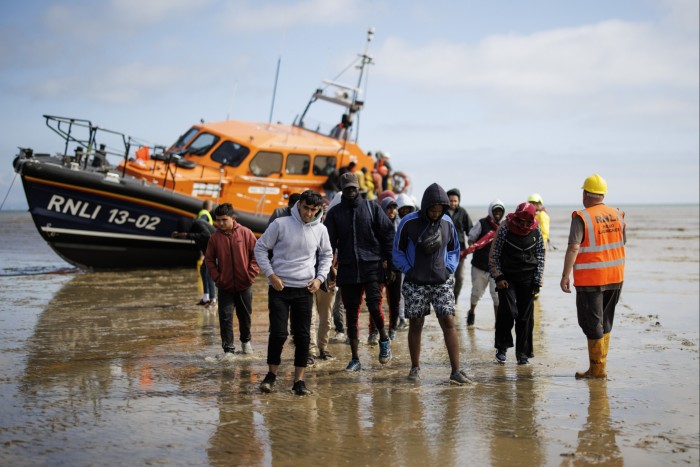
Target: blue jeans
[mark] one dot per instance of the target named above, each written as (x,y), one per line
(207,281)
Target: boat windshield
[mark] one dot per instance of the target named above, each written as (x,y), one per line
(202,144)
(183,140)
(230,153)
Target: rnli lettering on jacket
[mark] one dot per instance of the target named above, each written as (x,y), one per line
(601,256)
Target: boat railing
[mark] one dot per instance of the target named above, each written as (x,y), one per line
(88,139)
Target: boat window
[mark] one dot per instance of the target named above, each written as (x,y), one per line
(266,163)
(298,164)
(324,165)
(185,138)
(230,153)
(202,144)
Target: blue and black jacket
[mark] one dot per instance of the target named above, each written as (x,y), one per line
(417,266)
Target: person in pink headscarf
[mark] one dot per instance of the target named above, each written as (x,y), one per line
(516,262)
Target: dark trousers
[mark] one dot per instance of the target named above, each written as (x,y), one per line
(596,311)
(243,304)
(352,299)
(338,312)
(393,299)
(293,305)
(515,307)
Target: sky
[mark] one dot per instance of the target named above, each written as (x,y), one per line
(500,99)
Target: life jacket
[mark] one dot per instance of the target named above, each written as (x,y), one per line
(601,256)
(207,216)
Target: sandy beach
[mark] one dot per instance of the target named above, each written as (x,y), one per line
(115,368)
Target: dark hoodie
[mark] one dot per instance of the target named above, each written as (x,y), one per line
(362,235)
(420,267)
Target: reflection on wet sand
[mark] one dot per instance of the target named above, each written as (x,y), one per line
(116,371)
(109,343)
(596,440)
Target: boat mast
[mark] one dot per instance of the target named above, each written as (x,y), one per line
(365,59)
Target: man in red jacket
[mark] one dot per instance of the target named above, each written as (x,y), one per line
(230,260)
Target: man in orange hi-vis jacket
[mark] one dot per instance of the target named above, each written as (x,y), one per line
(596,254)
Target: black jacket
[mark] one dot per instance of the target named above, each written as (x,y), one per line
(200,232)
(363,236)
(460,219)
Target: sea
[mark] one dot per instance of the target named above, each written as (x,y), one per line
(120,368)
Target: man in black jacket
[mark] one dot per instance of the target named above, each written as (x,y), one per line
(362,236)
(463,224)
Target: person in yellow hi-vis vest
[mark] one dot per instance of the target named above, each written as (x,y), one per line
(596,255)
(541,216)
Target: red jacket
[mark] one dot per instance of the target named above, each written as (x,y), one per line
(230,259)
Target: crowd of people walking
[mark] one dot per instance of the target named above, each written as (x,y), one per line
(322,256)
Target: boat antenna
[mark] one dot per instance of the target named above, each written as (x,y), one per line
(274,88)
(366,59)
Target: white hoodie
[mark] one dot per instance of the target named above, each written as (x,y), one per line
(296,248)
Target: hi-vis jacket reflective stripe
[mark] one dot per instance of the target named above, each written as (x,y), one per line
(601,257)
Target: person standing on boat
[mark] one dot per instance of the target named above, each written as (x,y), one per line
(362,235)
(596,255)
(230,260)
(479,240)
(301,261)
(426,250)
(463,224)
(516,261)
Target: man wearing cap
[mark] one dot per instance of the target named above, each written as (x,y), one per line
(361,236)
(596,255)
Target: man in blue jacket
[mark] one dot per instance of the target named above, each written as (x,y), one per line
(426,250)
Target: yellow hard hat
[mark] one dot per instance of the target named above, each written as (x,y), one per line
(535,198)
(595,184)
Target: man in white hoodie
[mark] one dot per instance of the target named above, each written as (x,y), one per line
(300,263)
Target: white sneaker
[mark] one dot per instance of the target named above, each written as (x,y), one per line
(224,357)
(247,348)
(339,337)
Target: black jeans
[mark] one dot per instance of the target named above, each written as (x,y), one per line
(352,299)
(515,307)
(596,311)
(293,305)
(243,303)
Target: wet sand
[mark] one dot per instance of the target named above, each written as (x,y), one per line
(113,368)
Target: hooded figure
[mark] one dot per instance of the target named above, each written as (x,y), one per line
(426,250)
(516,261)
(419,265)
(405,205)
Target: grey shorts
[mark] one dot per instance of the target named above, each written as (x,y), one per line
(418,298)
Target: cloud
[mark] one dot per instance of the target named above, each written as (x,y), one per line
(95,20)
(242,16)
(122,84)
(561,62)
